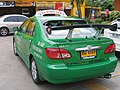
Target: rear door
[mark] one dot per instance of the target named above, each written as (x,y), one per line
(19,36)
(27,40)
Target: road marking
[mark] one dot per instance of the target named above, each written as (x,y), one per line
(95,85)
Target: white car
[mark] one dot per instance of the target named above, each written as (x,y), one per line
(117,21)
(8,22)
(114,35)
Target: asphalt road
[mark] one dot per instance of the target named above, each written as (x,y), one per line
(14,75)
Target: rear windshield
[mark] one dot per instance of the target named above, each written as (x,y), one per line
(76,32)
(63,22)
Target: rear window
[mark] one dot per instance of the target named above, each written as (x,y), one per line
(21,18)
(75,32)
(63,22)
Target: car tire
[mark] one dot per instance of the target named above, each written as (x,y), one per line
(34,72)
(14,48)
(4,31)
(117,54)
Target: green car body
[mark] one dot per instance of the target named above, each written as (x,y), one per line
(70,65)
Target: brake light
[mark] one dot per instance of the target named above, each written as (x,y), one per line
(110,49)
(57,54)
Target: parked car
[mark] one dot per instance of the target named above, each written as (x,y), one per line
(61,49)
(114,35)
(7,22)
(116,21)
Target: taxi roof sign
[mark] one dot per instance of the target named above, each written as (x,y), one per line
(56,12)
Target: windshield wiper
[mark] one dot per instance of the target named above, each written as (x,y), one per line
(69,35)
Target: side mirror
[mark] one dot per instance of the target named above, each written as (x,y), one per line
(15,29)
(113,27)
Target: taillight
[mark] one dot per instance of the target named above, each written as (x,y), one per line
(56,53)
(111,48)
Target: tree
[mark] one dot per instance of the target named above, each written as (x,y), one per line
(107,4)
(104,4)
(91,3)
(78,2)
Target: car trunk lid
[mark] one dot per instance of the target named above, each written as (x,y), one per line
(85,51)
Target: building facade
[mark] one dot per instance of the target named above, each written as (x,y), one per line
(29,7)
(117,5)
(64,5)
(17,7)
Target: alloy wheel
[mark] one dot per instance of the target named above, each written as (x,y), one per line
(3,31)
(34,70)
(14,48)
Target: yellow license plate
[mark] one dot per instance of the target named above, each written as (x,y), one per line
(88,54)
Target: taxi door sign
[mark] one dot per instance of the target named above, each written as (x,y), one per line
(56,12)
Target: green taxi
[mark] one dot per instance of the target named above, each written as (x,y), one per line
(61,49)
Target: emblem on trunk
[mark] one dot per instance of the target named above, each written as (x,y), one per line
(89,47)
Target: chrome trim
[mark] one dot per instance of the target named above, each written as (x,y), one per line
(86,48)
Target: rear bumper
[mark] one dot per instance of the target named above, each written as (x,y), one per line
(61,74)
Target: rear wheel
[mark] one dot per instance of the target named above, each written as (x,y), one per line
(14,48)
(117,54)
(4,31)
(34,72)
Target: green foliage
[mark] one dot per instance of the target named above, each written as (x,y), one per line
(73,16)
(95,3)
(89,21)
(98,20)
(81,1)
(107,4)
(114,15)
(104,4)
(106,19)
(105,22)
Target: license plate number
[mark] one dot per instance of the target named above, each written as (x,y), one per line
(88,54)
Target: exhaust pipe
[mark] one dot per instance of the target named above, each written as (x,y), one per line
(108,76)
